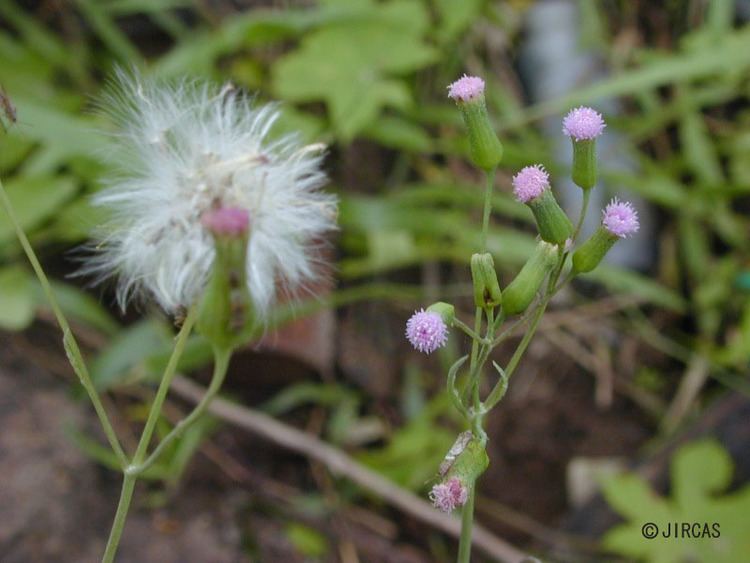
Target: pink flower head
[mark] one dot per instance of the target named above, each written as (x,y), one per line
(449,494)
(530,182)
(426,331)
(620,218)
(466,89)
(583,123)
(226,221)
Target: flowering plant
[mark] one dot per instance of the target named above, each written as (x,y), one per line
(556,260)
(209,218)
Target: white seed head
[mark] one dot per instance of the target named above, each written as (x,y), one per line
(186,148)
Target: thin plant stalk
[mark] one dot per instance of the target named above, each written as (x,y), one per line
(69,341)
(467,523)
(221,364)
(475,368)
(133,470)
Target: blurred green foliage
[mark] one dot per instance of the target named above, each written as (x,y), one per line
(701,471)
(370,76)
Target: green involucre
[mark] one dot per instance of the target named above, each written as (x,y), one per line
(553,224)
(521,291)
(591,252)
(584,163)
(484,147)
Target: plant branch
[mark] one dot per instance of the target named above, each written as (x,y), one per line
(69,342)
(221,363)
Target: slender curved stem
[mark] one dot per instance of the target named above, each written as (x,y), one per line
(131,473)
(466,329)
(453,391)
(69,342)
(582,215)
(221,364)
(487,208)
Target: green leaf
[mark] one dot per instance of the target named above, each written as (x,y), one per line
(699,149)
(307,541)
(719,528)
(398,133)
(77,305)
(455,17)
(16,300)
(34,199)
(631,496)
(352,66)
(124,358)
(699,470)
(725,56)
(628,282)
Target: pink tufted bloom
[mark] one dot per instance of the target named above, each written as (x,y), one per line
(226,221)
(620,218)
(426,331)
(466,88)
(583,123)
(530,182)
(449,494)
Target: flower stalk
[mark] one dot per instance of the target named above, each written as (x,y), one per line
(209,215)
(527,296)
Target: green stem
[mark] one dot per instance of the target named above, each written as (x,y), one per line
(466,329)
(69,341)
(497,391)
(221,363)
(474,353)
(475,370)
(161,392)
(128,485)
(582,216)
(487,208)
(131,472)
(467,523)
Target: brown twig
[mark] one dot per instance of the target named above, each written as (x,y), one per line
(342,465)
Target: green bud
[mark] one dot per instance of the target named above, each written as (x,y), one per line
(584,163)
(553,224)
(467,459)
(590,253)
(225,311)
(484,147)
(487,294)
(521,291)
(446,311)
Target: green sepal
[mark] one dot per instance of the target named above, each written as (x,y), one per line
(446,311)
(592,252)
(225,312)
(485,148)
(521,291)
(553,224)
(584,163)
(487,294)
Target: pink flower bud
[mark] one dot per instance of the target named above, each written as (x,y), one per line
(583,124)
(530,183)
(620,218)
(449,494)
(426,331)
(466,89)
(226,221)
